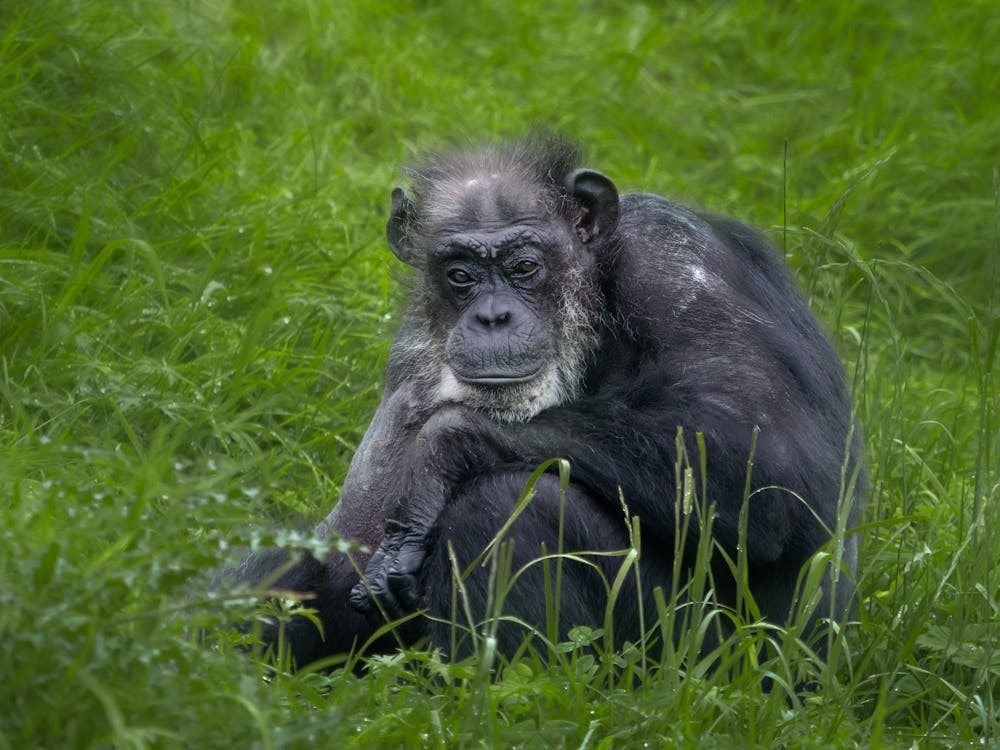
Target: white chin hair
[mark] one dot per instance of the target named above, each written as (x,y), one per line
(515,403)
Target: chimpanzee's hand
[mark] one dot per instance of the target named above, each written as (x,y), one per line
(390,578)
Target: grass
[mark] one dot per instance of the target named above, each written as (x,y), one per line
(196,302)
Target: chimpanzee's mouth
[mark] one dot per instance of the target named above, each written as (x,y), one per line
(497,381)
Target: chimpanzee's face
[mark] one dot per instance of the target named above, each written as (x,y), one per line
(511,301)
(502,265)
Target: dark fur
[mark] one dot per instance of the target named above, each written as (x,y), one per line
(685,321)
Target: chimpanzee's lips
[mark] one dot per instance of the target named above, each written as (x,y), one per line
(494,380)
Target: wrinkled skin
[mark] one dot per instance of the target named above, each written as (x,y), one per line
(552,317)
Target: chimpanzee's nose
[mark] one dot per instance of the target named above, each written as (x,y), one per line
(493,312)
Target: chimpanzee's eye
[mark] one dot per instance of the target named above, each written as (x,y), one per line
(459,277)
(525,268)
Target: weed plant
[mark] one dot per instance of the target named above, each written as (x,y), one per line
(196,303)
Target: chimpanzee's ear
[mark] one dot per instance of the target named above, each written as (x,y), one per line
(397,229)
(597,197)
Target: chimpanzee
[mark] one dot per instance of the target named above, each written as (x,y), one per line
(552,317)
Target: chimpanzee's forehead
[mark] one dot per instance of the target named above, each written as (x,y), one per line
(488,201)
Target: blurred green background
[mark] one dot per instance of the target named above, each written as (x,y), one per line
(196,301)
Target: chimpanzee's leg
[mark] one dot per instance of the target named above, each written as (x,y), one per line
(323,587)
(470,520)
(474,516)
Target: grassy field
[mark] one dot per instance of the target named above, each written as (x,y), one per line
(196,302)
